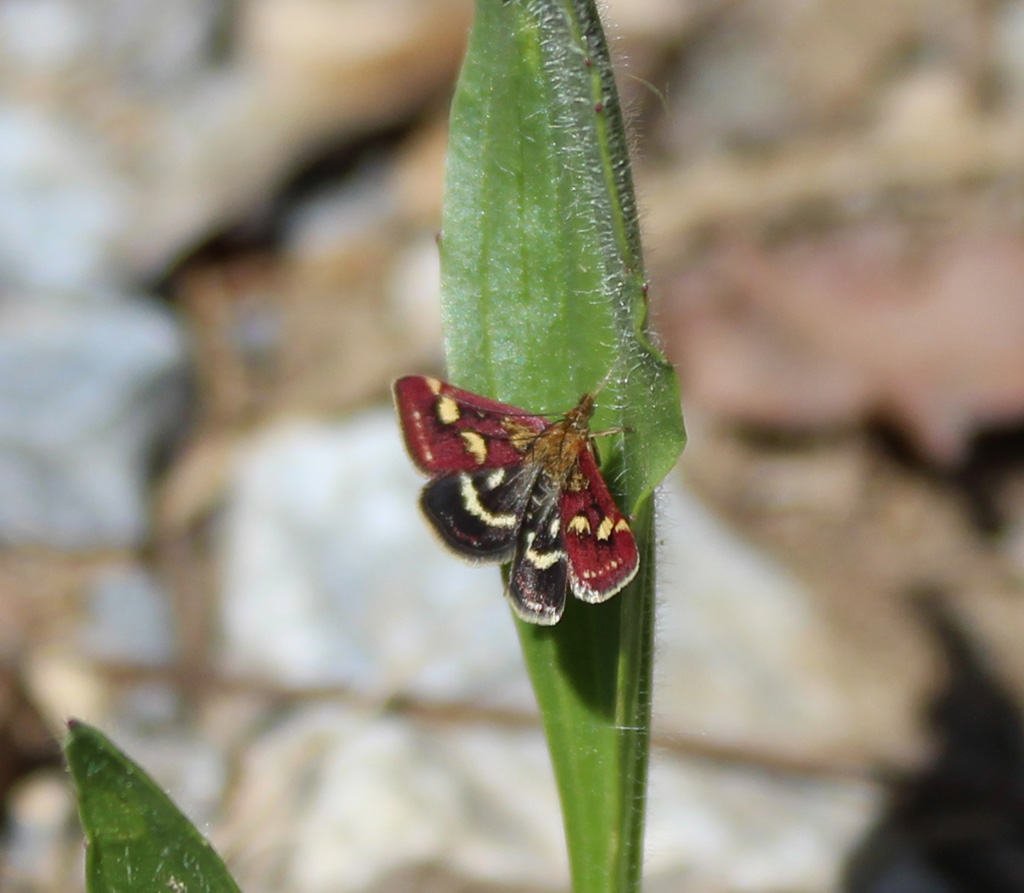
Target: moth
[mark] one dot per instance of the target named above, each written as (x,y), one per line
(510,486)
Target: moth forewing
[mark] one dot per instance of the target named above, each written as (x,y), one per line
(448,429)
(602,552)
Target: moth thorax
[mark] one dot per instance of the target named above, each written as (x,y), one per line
(522,437)
(557,450)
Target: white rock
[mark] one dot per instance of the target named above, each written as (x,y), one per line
(149,43)
(61,206)
(725,827)
(381,794)
(741,652)
(1007,42)
(329,575)
(41,35)
(129,618)
(87,388)
(38,810)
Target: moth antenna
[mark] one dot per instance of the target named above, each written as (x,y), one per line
(612,373)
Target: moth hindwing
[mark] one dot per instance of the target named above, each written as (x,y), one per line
(508,485)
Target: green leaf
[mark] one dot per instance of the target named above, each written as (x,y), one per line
(138,841)
(542,275)
(544,298)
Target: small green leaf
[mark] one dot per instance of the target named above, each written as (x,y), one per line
(138,841)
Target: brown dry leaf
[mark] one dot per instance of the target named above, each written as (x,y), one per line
(827,331)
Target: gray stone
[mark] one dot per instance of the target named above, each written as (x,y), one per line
(744,655)
(61,207)
(38,810)
(42,36)
(1008,48)
(152,45)
(381,793)
(715,826)
(130,618)
(88,388)
(329,575)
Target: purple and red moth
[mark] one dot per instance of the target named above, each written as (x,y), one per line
(510,486)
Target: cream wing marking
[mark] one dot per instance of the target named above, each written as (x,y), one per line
(471,500)
(421,436)
(541,560)
(448,411)
(475,445)
(579,524)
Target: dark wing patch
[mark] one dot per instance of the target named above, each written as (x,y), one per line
(539,574)
(478,513)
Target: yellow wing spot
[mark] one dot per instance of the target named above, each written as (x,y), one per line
(604,531)
(542,560)
(475,445)
(448,411)
(622,525)
(433,384)
(609,566)
(471,501)
(579,524)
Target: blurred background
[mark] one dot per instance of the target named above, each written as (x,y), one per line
(217,248)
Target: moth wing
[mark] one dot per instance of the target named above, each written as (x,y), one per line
(539,573)
(477,514)
(448,429)
(600,546)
